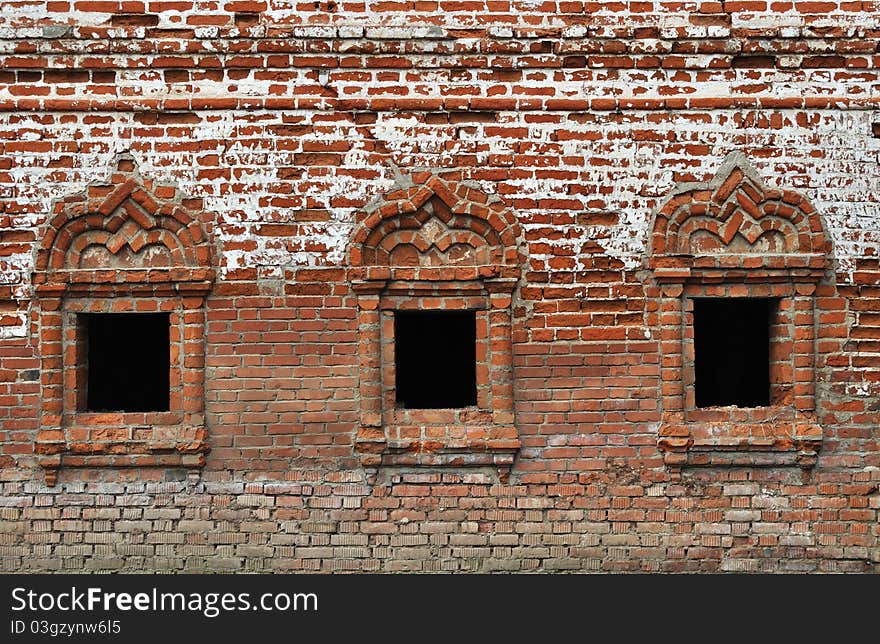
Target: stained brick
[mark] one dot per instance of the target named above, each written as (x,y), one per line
(576,137)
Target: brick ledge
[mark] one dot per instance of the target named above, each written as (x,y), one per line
(790,442)
(169,446)
(479,446)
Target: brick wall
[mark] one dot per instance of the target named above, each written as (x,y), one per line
(282,128)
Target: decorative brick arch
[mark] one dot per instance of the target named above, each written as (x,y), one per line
(126,220)
(733,237)
(438,223)
(734,214)
(126,245)
(436,244)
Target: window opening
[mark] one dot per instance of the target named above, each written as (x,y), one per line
(128,361)
(732,351)
(435,359)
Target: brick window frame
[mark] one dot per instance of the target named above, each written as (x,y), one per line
(734,237)
(126,245)
(437,243)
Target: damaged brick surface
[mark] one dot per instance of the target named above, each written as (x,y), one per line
(576,173)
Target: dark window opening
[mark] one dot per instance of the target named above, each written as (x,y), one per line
(128,361)
(435,359)
(732,351)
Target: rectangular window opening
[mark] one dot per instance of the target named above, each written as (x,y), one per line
(127,361)
(435,359)
(732,351)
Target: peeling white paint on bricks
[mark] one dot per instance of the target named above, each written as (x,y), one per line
(27,13)
(863,389)
(843,183)
(396,133)
(525,13)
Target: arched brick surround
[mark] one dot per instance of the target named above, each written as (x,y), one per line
(438,244)
(734,237)
(122,246)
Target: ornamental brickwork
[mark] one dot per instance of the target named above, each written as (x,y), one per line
(238,239)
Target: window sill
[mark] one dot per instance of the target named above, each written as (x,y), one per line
(766,436)
(119,440)
(477,445)
(104,418)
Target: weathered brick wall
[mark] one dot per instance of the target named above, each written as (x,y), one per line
(288,119)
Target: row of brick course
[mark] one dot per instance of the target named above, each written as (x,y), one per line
(286,125)
(717,522)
